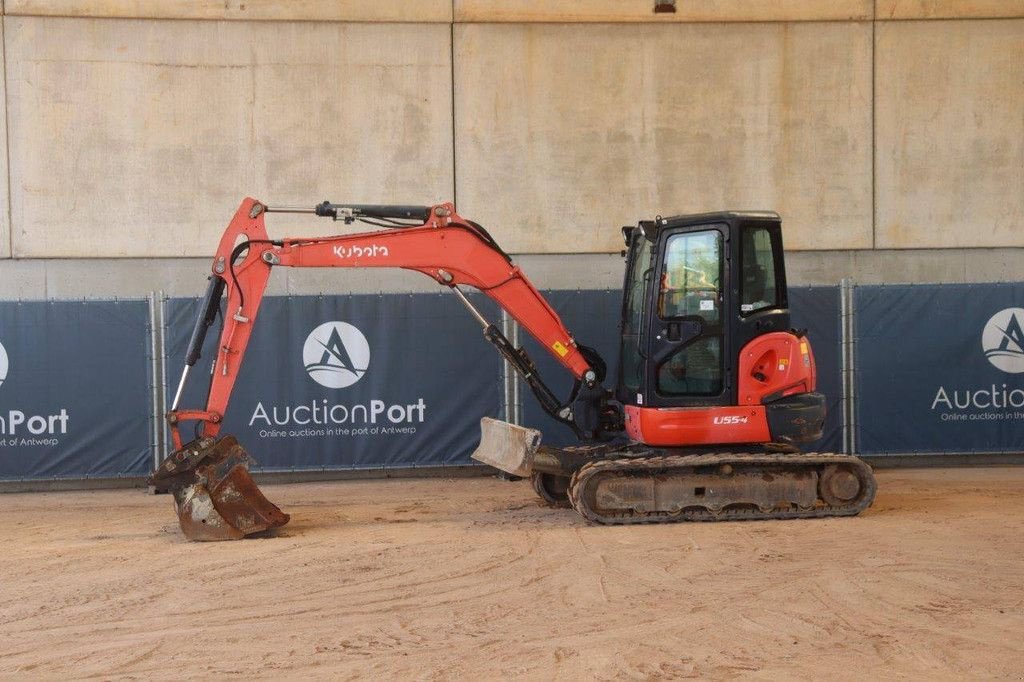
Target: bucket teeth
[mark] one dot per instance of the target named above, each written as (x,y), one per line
(214,495)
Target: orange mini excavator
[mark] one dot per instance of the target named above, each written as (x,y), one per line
(713,393)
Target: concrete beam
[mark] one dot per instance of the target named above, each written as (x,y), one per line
(261,10)
(78,278)
(139,138)
(21,279)
(890,267)
(75,278)
(566,132)
(905,266)
(948,9)
(609,11)
(994,265)
(949,134)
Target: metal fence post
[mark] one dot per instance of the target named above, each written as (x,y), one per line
(154,380)
(162,309)
(517,398)
(508,378)
(848,365)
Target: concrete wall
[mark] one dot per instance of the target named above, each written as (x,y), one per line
(949,132)
(5,194)
(137,138)
(605,123)
(888,133)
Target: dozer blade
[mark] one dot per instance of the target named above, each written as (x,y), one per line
(214,495)
(507,447)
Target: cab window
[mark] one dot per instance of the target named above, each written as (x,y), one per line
(633,322)
(691,276)
(758,289)
(693,370)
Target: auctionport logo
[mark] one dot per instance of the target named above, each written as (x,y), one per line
(336,354)
(21,429)
(1003,340)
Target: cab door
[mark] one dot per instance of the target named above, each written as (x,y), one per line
(689,303)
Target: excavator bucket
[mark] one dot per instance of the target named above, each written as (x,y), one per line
(214,495)
(507,447)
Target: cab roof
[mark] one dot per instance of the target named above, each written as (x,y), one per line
(718,217)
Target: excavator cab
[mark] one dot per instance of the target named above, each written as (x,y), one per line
(699,289)
(696,288)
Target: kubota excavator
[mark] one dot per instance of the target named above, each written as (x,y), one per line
(714,391)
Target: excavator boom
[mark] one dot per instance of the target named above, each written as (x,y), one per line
(438,243)
(446,247)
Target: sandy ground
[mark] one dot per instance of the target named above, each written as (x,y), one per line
(474,579)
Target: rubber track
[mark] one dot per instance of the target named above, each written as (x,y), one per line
(654,465)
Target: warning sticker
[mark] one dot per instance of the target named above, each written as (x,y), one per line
(560,348)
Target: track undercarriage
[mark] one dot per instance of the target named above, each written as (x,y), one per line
(633,483)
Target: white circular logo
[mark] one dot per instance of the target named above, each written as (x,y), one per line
(1003,340)
(336,354)
(3,364)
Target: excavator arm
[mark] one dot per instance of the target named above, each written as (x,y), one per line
(215,497)
(444,246)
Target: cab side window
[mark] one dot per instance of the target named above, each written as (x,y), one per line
(758,289)
(633,321)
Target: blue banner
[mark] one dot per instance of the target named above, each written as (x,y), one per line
(75,389)
(337,382)
(939,368)
(817,309)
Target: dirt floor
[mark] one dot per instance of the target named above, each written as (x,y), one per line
(474,579)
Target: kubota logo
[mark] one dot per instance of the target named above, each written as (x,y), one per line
(336,354)
(1003,340)
(368,251)
(3,364)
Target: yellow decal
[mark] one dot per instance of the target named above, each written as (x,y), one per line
(803,347)
(783,362)
(560,349)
